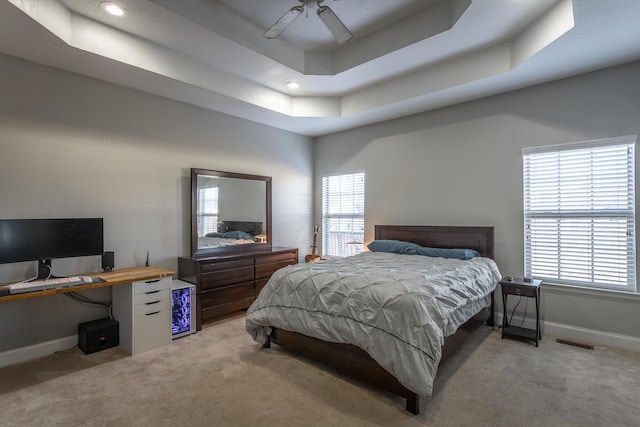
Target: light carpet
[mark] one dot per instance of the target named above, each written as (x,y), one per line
(220,377)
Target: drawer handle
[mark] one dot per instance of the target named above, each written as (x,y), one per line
(517,291)
(152,292)
(151,303)
(152,281)
(151,314)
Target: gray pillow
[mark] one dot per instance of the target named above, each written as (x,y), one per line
(408,248)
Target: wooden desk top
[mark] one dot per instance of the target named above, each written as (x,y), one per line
(115,277)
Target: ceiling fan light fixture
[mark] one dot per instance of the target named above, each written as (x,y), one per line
(339,31)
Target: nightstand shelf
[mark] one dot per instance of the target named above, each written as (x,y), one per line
(529,288)
(516,331)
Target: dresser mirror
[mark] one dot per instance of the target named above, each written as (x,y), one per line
(230,212)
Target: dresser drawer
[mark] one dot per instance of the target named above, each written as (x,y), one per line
(220,310)
(261,283)
(215,265)
(267,265)
(276,258)
(227,277)
(227,294)
(218,302)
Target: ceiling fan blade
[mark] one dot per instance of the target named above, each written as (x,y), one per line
(282,23)
(340,32)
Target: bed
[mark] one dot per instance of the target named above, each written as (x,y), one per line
(371,316)
(232,233)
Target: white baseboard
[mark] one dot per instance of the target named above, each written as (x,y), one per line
(574,333)
(557,330)
(591,336)
(34,351)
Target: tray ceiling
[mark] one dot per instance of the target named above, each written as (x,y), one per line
(406,56)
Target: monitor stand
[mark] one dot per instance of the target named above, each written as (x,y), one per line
(44,270)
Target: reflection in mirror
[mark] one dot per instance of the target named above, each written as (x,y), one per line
(230,211)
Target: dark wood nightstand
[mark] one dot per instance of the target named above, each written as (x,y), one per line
(529,288)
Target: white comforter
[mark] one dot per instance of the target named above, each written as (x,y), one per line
(398,308)
(216,242)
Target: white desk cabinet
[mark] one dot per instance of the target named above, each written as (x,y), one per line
(143,310)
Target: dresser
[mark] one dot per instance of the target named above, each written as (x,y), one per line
(228,283)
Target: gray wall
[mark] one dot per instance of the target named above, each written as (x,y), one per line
(462,166)
(74,146)
(71,146)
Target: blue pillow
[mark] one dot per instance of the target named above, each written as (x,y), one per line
(393,246)
(448,253)
(407,248)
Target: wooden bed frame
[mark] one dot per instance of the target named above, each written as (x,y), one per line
(350,360)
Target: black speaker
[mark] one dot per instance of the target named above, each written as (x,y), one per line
(98,335)
(107,261)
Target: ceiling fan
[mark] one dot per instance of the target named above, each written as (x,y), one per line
(339,31)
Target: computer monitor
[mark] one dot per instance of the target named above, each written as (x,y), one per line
(45,239)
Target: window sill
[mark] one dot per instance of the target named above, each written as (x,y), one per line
(606,293)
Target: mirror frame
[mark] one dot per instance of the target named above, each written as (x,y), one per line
(203,253)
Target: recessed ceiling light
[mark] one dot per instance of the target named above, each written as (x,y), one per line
(293,85)
(112,8)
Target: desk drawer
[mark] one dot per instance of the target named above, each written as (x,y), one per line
(164,294)
(153,306)
(151,330)
(153,285)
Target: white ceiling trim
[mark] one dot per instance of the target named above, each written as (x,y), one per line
(544,31)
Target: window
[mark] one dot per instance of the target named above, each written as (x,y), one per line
(208,213)
(579,214)
(342,214)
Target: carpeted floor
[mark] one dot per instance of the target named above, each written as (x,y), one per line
(219,377)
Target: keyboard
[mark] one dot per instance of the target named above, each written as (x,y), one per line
(39,285)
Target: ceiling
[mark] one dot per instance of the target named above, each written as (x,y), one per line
(406,56)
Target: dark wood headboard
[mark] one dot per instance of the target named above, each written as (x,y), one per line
(477,238)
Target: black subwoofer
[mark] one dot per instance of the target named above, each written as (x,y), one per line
(98,335)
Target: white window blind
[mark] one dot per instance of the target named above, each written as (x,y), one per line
(342,214)
(579,214)
(208,210)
